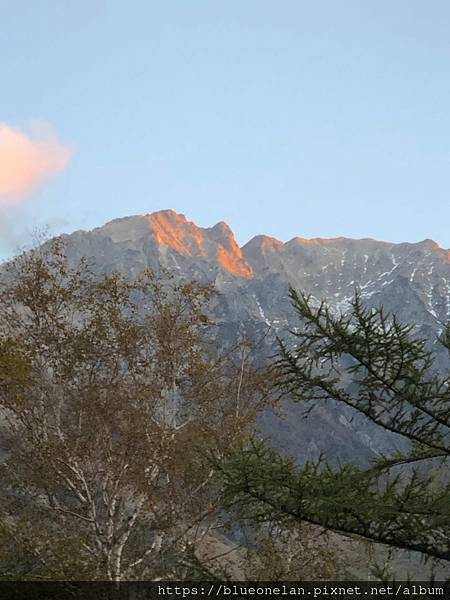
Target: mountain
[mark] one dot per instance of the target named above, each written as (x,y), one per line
(413,279)
(410,279)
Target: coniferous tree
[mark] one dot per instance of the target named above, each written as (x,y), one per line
(369,361)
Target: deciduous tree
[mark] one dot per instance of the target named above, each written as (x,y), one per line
(113,399)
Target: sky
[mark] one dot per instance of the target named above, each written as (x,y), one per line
(317,119)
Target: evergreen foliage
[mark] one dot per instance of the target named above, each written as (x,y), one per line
(366,360)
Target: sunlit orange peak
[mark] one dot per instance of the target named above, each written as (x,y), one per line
(231,260)
(176,232)
(229,255)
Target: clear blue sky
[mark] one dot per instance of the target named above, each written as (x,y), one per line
(287,117)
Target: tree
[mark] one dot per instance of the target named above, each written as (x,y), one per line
(112,400)
(401,500)
(281,551)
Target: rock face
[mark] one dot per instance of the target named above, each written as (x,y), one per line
(413,280)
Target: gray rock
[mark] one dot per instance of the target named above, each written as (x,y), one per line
(412,280)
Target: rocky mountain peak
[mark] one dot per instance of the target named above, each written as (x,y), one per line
(175,232)
(173,238)
(227,252)
(264,244)
(324,267)
(411,280)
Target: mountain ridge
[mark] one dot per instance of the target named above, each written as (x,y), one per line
(173,232)
(264,267)
(411,280)
(182,217)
